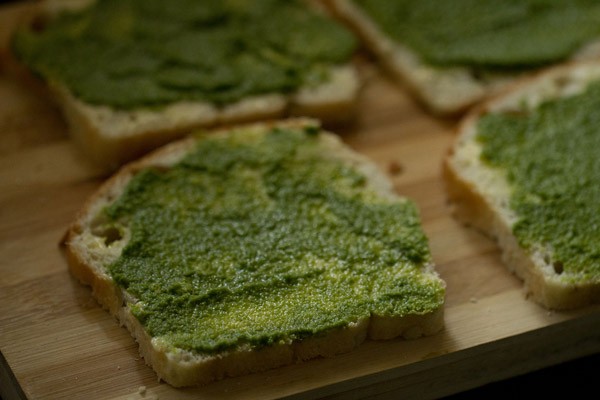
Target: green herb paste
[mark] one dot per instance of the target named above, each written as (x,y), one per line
(135,53)
(259,239)
(488,34)
(551,158)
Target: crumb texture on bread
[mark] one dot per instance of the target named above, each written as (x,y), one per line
(255,247)
(453,58)
(546,232)
(138,83)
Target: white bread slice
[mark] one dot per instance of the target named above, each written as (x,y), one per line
(88,255)
(109,137)
(443,90)
(480,194)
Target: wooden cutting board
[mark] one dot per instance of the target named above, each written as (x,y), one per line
(56,342)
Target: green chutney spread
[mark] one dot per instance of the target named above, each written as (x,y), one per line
(148,53)
(257,239)
(550,155)
(488,34)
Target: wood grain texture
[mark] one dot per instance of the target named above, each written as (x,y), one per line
(56,342)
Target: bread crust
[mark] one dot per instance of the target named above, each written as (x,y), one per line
(87,254)
(444,91)
(479,195)
(110,137)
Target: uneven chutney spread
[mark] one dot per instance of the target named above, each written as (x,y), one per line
(550,155)
(488,34)
(136,53)
(260,239)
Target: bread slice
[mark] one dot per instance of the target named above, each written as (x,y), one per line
(443,90)
(110,136)
(481,193)
(408,304)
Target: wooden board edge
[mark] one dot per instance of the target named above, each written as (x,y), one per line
(476,366)
(9,386)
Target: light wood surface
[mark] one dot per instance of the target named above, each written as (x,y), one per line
(56,342)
